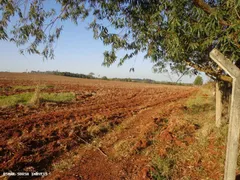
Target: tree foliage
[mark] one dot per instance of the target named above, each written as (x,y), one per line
(104,78)
(198,81)
(178,34)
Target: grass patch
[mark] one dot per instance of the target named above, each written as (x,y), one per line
(200,108)
(57,97)
(96,130)
(15,99)
(193,103)
(124,148)
(23,87)
(29,87)
(69,160)
(163,168)
(202,157)
(203,101)
(33,98)
(210,141)
(65,164)
(49,86)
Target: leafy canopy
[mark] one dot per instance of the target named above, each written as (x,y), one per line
(176,33)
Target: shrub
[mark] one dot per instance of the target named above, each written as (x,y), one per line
(104,78)
(198,81)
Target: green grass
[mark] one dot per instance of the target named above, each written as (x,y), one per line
(193,102)
(25,98)
(22,87)
(57,97)
(27,87)
(163,168)
(15,99)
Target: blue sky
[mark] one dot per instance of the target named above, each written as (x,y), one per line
(76,51)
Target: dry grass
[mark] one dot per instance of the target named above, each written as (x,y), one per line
(95,130)
(203,157)
(124,148)
(35,100)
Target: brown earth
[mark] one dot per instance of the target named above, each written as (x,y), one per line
(107,132)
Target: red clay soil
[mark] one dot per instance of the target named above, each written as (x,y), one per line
(38,138)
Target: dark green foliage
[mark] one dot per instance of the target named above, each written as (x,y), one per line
(69,74)
(175,34)
(198,81)
(104,78)
(91,74)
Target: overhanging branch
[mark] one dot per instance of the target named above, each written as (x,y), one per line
(209,10)
(210,72)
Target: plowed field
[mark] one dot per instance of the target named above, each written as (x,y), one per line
(106,132)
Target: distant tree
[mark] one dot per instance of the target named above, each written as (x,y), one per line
(91,74)
(198,81)
(104,78)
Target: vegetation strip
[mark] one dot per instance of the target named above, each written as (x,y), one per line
(25,98)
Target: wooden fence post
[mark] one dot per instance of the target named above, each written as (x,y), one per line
(234,122)
(218,105)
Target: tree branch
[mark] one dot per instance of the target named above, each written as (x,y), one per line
(54,20)
(204,6)
(210,72)
(208,9)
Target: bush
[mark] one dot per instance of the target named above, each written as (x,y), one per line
(198,81)
(104,78)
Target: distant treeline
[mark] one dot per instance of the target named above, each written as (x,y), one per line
(150,81)
(91,76)
(69,74)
